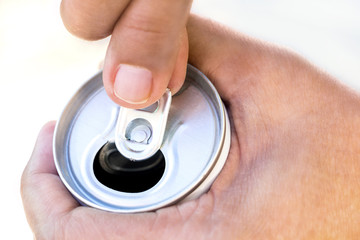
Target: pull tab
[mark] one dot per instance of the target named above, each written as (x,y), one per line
(139,132)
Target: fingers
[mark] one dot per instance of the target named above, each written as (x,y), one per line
(91,19)
(147,52)
(148,48)
(43,194)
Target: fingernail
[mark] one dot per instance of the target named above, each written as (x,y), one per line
(133,84)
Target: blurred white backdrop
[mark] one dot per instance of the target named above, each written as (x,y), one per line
(41,66)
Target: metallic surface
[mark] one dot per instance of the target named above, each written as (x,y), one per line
(139,133)
(195,146)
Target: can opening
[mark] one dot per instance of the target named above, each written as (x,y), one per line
(120,173)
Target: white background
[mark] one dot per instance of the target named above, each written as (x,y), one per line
(41,66)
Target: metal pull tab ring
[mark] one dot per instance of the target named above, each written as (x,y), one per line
(139,132)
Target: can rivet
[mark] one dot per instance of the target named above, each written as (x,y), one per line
(140,134)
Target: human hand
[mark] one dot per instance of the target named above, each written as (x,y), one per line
(148,48)
(292,172)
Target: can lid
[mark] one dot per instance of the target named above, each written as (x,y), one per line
(192,150)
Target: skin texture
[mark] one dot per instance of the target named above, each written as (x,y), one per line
(146,34)
(293,170)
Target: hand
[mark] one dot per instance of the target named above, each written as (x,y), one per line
(293,170)
(148,50)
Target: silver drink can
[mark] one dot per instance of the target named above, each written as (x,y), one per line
(192,153)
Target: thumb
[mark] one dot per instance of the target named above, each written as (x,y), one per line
(147,52)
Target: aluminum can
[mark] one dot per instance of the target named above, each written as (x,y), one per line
(193,151)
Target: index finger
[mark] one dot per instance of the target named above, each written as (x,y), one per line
(91,19)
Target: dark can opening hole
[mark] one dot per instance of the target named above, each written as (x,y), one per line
(120,173)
